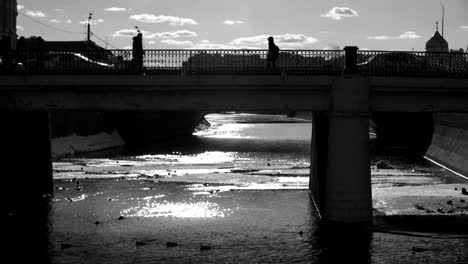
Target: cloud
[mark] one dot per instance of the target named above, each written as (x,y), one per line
(19,28)
(406,35)
(129,33)
(55,21)
(116,9)
(204,46)
(68,21)
(286,40)
(172,34)
(232,22)
(464,28)
(176,42)
(379,37)
(151,35)
(19,7)
(173,21)
(35,13)
(58,10)
(336,13)
(151,42)
(92,22)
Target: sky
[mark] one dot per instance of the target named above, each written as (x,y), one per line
(245,24)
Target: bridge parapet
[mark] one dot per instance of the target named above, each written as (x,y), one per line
(413,64)
(328,62)
(185,62)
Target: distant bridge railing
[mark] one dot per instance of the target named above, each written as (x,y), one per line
(327,62)
(413,64)
(319,62)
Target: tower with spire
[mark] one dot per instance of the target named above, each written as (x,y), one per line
(8,14)
(437,43)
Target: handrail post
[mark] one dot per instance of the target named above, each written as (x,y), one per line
(351,59)
(243,61)
(450,65)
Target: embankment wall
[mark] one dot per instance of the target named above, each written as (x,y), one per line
(449,145)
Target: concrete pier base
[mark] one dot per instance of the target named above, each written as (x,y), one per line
(25,164)
(340,181)
(348,197)
(318,158)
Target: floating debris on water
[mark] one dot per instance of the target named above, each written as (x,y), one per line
(171,244)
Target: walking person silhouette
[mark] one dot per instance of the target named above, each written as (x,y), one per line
(273,53)
(137,52)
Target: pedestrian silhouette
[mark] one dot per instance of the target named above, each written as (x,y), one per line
(273,53)
(137,52)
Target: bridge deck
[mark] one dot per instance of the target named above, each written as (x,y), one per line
(223,92)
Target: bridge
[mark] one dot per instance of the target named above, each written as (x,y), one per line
(342,88)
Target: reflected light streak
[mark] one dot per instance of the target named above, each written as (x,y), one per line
(208,157)
(179,210)
(229,131)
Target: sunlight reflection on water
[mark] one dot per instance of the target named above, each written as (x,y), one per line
(203,209)
(207,157)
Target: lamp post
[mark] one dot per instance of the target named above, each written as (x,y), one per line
(89,26)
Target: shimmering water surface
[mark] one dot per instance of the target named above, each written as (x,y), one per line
(237,193)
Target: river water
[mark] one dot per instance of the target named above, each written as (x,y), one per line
(237,193)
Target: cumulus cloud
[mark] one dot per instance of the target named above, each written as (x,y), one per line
(19,7)
(173,21)
(464,28)
(206,44)
(406,35)
(116,9)
(286,40)
(19,28)
(35,13)
(68,21)
(379,37)
(176,42)
(129,33)
(92,22)
(151,35)
(336,13)
(210,45)
(172,34)
(55,21)
(232,22)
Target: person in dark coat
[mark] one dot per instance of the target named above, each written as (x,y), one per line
(137,52)
(273,53)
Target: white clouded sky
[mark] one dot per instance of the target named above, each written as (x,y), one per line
(308,24)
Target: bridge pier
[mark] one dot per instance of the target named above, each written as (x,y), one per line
(340,181)
(318,158)
(26,165)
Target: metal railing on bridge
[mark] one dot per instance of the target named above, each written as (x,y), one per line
(329,62)
(413,64)
(318,62)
